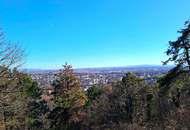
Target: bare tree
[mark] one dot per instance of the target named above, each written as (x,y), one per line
(11,56)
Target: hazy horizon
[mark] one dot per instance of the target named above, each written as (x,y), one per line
(99,67)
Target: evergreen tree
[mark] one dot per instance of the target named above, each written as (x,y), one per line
(179,50)
(93,93)
(69,98)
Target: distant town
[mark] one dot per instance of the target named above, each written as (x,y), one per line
(101,76)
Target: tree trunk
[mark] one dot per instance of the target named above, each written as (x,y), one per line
(4,120)
(2,124)
(187,57)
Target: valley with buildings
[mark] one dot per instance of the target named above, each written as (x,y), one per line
(101,76)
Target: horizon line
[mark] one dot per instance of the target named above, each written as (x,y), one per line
(145,65)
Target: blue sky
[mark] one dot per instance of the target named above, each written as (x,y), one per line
(93,33)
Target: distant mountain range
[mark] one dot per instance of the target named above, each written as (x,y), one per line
(107,69)
(125,69)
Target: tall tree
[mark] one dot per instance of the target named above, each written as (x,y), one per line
(179,50)
(11,56)
(128,103)
(19,95)
(69,99)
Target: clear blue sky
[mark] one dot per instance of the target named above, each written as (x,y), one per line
(93,33)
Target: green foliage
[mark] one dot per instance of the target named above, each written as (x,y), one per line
(125,104)
(93,93)
(179,50)
(19,90)
(36,115)
(69,98)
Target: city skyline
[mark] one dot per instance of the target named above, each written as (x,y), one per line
(101,33)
